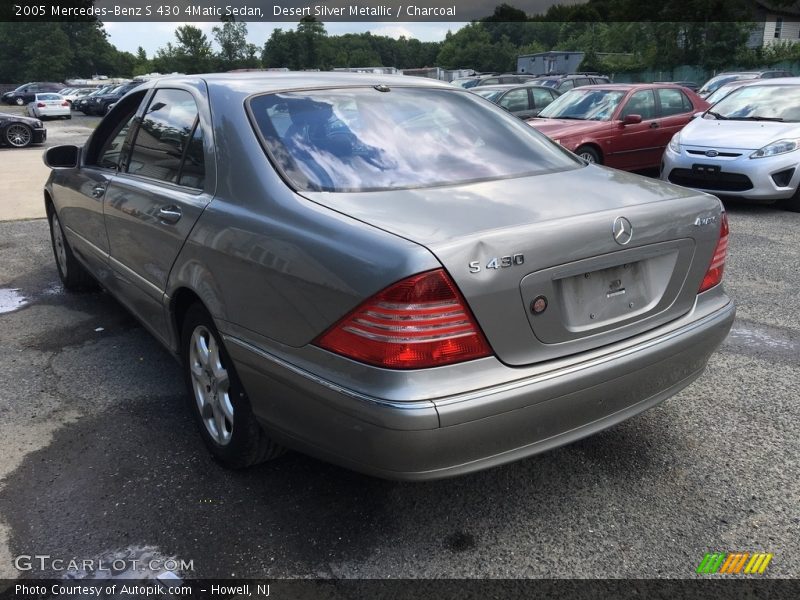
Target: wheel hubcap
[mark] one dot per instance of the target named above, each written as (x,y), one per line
(587,157)
(58,245)
(211,385)
(18,135)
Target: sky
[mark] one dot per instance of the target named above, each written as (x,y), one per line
(152,36)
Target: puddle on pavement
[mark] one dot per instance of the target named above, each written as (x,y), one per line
(11,299)
(750,336)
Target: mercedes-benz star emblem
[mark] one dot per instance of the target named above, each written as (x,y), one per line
(622,230)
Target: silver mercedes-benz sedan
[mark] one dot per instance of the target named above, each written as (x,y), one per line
(386,272)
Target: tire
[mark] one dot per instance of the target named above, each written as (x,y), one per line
(18,135)
(589,154)
(72,273)
(217,398)
(791,204)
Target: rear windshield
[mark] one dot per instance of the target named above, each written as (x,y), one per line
(367,140)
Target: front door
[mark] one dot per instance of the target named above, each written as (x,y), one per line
(155,200)
(636,146)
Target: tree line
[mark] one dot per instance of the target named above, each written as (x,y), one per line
(712,34)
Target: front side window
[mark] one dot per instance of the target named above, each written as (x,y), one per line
(111,156)
(169,139)
(364,139)
(641,103)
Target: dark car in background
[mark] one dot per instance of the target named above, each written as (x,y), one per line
(626,126)
(564,83)
(723,78)
(26,93)
(82,103)
(100,104)
(523,101)
(18,131)
(505,78)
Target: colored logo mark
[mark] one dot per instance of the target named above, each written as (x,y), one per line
(734,563)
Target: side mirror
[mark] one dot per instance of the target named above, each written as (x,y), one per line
(632,119)
(62,157)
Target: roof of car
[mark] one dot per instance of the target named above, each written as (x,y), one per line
(273,81)
(628,86)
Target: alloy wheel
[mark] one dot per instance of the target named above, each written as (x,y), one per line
(18,135)
(211,385)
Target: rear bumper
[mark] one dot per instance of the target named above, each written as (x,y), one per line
(478,429)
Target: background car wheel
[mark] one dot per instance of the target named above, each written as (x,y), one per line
(19,101)
(218,400)
(18,135)
(791,204)
(589,154)
(72,273)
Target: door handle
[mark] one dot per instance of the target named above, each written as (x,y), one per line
(169,214)
(654,125)
(98,190)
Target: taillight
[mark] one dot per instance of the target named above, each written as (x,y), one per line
(65,103)
(714,274)
(40,105)
(422,321)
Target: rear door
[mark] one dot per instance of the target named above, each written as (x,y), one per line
(676,111)
(155,200)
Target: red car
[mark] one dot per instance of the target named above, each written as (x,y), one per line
(626,126)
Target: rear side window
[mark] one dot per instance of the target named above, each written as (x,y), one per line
(541,97)
(567,84)
(673,102)
(515,100)
(364,139)
(169,141)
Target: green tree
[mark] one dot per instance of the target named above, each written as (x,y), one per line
(235,52)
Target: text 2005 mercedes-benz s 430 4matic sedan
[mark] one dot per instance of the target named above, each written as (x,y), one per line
(388,273)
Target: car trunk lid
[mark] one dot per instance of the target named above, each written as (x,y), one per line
(507,243)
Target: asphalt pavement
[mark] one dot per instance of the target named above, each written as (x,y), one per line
(99,456)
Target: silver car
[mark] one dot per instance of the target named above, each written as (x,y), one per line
(746,145)
(388,273)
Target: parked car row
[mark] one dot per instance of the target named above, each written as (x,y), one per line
(388,273)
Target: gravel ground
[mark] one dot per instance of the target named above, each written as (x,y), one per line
(98,455)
